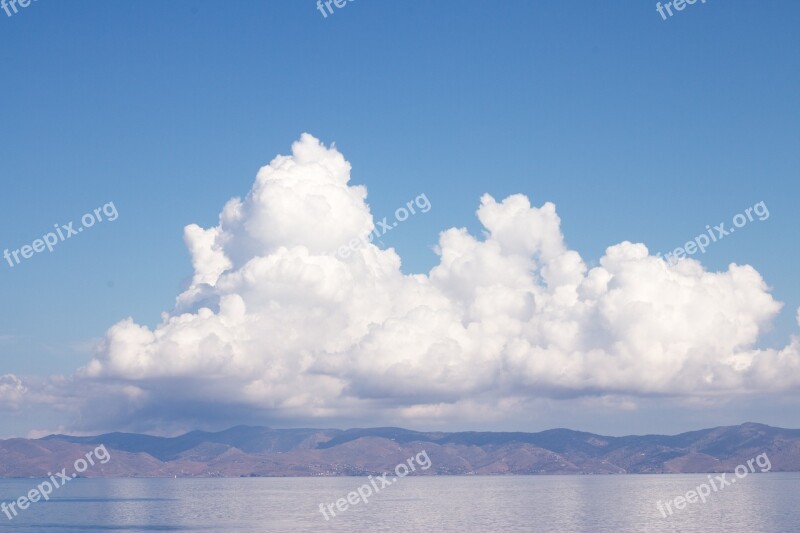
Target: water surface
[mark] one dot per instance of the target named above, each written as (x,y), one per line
(759,502)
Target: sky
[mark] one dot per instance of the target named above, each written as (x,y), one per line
(549,149)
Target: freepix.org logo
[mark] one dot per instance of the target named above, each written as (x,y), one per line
(55,481)
(703,491)
(11,5)
(338,3)
(62,232)
(383,227)
(702,241)
(679,5)
(365,491)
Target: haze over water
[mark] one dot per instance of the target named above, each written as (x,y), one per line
(768,502)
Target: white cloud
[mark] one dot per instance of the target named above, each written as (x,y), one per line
(275,322)
(12,391)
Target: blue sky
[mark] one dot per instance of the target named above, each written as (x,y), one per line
(637,129)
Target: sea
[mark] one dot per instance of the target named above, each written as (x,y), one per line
(768,502)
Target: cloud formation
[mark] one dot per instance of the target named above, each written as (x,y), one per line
(12,391)
(275,322)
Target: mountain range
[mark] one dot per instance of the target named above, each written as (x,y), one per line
(246,451)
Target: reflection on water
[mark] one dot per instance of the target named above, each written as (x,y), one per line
(765,502)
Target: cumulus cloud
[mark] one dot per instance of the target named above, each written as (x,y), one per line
(12,391)
(275,322)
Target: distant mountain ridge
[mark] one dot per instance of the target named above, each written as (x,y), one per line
(245,438)
(261,451)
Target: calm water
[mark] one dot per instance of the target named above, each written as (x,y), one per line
(765,502)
